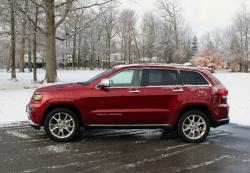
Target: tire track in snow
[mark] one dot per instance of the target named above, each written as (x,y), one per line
(26,141)
(51,168)
(18,134)
(206,163)
(157,158)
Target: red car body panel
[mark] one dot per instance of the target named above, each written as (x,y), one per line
(120,106)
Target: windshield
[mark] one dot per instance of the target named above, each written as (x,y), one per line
(99,76)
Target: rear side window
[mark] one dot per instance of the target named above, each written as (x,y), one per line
(160,77)
(192,78)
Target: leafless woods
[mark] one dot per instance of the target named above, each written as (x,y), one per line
(74,34)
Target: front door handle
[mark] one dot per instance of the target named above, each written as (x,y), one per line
(178,90)
(134,91)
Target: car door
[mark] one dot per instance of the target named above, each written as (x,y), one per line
(161,94)
(119,103)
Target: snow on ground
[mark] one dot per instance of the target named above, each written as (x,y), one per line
(238,85)
(15,95)
(25,79)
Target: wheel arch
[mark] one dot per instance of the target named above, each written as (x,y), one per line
(200,107)
(72,107)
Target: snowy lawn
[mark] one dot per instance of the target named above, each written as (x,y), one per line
(15,95)
(238,85)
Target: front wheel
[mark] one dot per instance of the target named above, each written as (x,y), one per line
(62,125)
(193,126)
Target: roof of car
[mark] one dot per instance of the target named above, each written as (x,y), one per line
(153,65)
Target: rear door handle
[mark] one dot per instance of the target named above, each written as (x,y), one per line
(178,90)
(134,91)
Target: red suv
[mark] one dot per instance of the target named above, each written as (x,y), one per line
(187,99)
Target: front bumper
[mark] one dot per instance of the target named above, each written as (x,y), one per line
(32,124)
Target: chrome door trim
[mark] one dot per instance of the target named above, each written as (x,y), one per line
(129,125)
(178,90)
(134,91)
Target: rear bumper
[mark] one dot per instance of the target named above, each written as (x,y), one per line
(32,124)
(221,115)
(221,122)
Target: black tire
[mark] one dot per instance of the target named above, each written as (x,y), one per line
(74,121)
(191,129)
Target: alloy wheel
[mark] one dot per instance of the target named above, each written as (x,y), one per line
(61,125)
(194,127)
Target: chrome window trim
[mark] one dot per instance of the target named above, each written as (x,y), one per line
(96,87)
(161,86)
(164,86)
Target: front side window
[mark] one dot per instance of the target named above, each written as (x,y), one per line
(161,77)
(99,76)
(127,78)
(192,78)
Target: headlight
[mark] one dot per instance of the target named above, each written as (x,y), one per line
(38,97)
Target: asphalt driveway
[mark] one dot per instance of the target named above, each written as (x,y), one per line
(226,150)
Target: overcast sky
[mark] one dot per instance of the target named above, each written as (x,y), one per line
(202,15)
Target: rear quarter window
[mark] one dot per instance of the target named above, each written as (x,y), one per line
(192,78)
(213,78)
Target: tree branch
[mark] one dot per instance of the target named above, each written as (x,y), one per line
(92,5)
(37,4)
(78,31)
(67,10)
(30,19)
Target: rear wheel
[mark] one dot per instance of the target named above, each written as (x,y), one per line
(62,125)
(194,126)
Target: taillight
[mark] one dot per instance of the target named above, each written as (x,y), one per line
(222,96)
(223,92)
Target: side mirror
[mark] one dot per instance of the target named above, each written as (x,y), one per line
(104,83)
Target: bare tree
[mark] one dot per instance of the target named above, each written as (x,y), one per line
(13,39)
(171,13)
(29,48)
(52,22)
(174,30)
(109,19)
(149,35)
(23,39)
(35,45)
(127,31)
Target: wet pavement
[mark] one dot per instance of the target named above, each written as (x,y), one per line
(227,150)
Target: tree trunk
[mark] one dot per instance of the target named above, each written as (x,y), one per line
(79,51)
(246,49)
(66,62)
(129,48)
(22,47)
(109,51)
(29,54)
(74,51)
(50,42)
(13,41)
(137,49)
(8,64)
(34,47)
(22,51)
